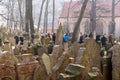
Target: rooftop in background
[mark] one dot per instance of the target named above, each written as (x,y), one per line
(103,9)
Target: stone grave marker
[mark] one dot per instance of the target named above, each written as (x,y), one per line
(59,36)
(46,60)
(115,62)
(40,73)
(90,56)
(57,52)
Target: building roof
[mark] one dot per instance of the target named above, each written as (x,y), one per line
(103,9)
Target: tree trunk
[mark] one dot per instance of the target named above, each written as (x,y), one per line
(29,17)
(77,25)
(46,17)
(68,16)
(39,21)
(53,20)
(21,17)
(93,16)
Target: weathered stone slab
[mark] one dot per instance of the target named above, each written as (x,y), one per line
(25,71)
(66,77)
(57,52)
(91,56)
(7,72)
(73,50)
(40,73)
(80,55)
(59,36)
(46,60)
(115,62)
(74,69)
(6,57)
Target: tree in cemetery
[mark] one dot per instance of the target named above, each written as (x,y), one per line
(53,20)
(46,17)
(41,10)
(20,12)
(29,17)
(77,25)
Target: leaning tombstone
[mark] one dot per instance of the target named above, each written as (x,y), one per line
(59,36)
(46,61)
(57,52)
(40,73)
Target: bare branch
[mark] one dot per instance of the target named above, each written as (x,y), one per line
(117,2)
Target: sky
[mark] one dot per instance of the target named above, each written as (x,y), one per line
(36,11)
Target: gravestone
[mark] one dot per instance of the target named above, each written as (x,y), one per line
(57,52)
(60,65)
(115,62)
(6,57)
(39,73)
(59,36)
(46,61)
(73,50)
(72,72)
(90,56)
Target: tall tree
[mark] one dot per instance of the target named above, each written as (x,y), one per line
(68,16)
(46,17)
(53,20)
(20,11)
(77,25)
(41,9)
(29,17)
(93,16)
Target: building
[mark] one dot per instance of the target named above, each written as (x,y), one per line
(103,17)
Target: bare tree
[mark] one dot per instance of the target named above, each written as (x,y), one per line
(77,25)
(53,16)
(41,9)
(68,16)
(46,17)
(20,11)
(29,17)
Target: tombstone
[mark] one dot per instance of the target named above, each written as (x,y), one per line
(60,65)
(7,57)
(115,61)
(7,46)
(95,74)
(59,36)
(40,73)
(25,71)
(57,52)
(47,63)
(7,72)
(90,56)
(80,55)
(72,72)
(73,50)
(64,76)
